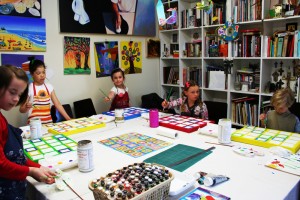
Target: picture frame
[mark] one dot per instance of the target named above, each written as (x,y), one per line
(153,48)
(291,26)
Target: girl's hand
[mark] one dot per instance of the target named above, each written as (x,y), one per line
(42,174)
(262,116)
(106,99)
(164,104)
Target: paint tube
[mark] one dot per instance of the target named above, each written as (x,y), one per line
(211,180)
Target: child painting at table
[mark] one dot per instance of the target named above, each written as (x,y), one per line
(281,118)
(119,92)
(190,103)
(41,95)
(14,166)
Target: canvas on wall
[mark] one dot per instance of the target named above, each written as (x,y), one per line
(19,60)
(153,48)
(22,8)
(131,57)
(106,57)
(22,34)
(76,55)
(137,17)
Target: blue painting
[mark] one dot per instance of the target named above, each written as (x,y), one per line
(22,34)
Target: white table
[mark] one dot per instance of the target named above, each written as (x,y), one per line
(249,178)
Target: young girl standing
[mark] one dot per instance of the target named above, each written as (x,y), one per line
(41,94)
(119,93)
(14,166)
(190,104)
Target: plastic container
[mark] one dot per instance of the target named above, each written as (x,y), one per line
(224,131)
(85,156)
(119,115)
(154,118)
(35,128)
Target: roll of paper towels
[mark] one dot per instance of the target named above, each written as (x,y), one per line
(167,133)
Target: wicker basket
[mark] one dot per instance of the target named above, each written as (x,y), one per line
(158,192)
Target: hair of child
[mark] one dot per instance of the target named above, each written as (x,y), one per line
(283,96)
(7,73)
(116,71)
(187,86)
(34,64)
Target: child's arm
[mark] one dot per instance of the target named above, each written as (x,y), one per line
(204,114)
(171,104)
(58,106)
(25,106)
(42,174)
(263,120)
(110,96)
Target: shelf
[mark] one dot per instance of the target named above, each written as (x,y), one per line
(280,58)
(171,85)
(169,58)
(249,22)
(247,58)
(244,92)
(217,90)
(191,28)
(191,58)
(282,19)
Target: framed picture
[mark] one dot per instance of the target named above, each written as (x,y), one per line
(291,26)
(153,48)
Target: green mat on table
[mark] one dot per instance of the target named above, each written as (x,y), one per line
(177,153)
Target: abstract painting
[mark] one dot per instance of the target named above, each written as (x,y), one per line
(131,57)
(19,60)
(22,34)
(21,8)
(76,55)
(106,57)
(130,17)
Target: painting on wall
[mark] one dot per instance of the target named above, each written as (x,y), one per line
(20,60)
(76,55)
(153,48)
(106,57)
(22,34)
(131,57)
(130,17)
(21,8)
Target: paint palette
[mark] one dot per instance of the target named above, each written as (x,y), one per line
(62,161)
(47,147)
(129,113)
(267,138)
(74,126)
(183,123)
(135,144)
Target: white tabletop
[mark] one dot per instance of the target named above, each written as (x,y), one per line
(249,178)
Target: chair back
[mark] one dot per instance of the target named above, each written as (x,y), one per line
(57,117)
(216,110)
(84,108)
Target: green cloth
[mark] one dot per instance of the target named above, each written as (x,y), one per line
(177,153)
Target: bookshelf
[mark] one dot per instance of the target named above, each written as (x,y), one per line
(250,52)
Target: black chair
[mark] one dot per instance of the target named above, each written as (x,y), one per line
(295,109)
(152,100)
(216,110)
(84,108)
(57,117)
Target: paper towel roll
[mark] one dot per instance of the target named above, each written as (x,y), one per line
(172,135)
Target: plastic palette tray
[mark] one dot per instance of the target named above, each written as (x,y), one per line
(183,123)
(74,126)
(129,113)
(267,138)
(48,146)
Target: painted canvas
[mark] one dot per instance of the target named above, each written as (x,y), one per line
(19,60)
(131,57)
(76,55)
(106,57)
(21,8)
(130,17)
(153,48)
(22,34)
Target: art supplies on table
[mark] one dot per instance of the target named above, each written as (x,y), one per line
(48,146)
(62,161)
(211,130)
(129,113)
(201,193)
(166,132)
(183,123)
(267,138)
(74,126)
(209,179)
(289,164)
(182,182)
(134,144)
(103,118)
(26,131)
(177,154)
(160,115)
(150,181)
(248,152)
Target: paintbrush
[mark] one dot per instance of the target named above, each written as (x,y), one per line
(72,189)
(169,95)
(104,93)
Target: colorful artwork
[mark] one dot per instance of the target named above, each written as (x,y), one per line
(135,144)
(21,8)
(131,57)
(129,113)
(74,126)
(289,164)
(76,55)
(19,60)
(137,17)
(48,146)
(201,193)
(267,138)
(22,34)
(153,48)
(106,57)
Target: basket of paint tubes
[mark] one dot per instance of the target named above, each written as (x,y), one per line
(136,181)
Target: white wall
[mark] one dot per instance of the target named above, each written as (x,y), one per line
(70,88)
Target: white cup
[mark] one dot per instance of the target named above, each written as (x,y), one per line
(35,128)
(224,131)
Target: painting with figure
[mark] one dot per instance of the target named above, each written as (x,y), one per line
(76,55)
(153,48)
(131,57)
(22,34)
(106,57)
(127,17)
(20,60)
(21,8)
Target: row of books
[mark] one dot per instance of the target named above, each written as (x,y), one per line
(283,44)
(171,75)
(246,10)
(191,18)
(245,111)
(249,45)
(192,73)
(193,49)
(218,14)
(215,46)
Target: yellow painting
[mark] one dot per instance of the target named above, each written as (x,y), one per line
(131,57)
